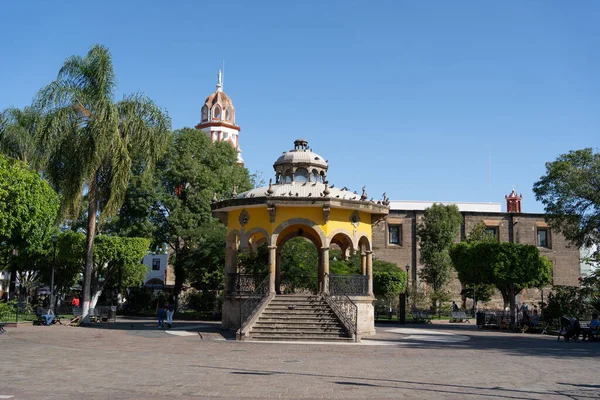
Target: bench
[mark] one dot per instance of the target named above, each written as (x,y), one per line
(2,325)
(588,334)
(460,316)
(421,316)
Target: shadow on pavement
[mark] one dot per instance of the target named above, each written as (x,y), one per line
(518,344)
(409,385)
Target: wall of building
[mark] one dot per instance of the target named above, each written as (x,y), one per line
(155,274)
(516,228)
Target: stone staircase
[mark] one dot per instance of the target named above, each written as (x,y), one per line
(298,317)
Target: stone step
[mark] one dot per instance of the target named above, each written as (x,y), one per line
(292,337)
(296,316)
(296,309)
(297,325)
(275,319)
(298,303)
(303,331)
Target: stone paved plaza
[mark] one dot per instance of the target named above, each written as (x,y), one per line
(132,359)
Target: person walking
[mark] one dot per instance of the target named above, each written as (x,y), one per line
(160,311)
(170,311)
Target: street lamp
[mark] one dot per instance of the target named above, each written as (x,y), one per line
(54,240)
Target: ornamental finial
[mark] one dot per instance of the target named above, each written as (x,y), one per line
(220,81)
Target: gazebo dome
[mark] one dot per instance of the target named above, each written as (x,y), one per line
(300,165)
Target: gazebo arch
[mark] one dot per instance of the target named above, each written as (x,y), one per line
(343,240)
(259,234)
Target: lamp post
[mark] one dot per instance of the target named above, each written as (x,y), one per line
(402,311)
(54,240)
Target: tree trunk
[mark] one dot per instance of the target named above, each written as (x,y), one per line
(513,307)
(178,266)
(89,251)
(95,296)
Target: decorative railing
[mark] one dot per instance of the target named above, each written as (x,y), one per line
(238,284)
(345,309)
(253,302)
(349,285)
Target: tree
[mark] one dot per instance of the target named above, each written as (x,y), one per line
(437,232)
(570,192)
(18,130)
(388,280)
(508,266)
(28,213)
(93,140)
(117,259)
(477,292)
(191,173)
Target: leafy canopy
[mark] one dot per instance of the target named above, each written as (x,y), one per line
(28,207)
(508,266)
(570,192)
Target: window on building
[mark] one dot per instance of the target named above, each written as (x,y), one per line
(492,233)
(542,238)
(156,264)
(204,113)
(395,234)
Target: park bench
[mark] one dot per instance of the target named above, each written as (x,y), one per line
(421,316)
(2,325)
(460,316)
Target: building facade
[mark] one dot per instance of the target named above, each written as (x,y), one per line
(159,275)
(395,239)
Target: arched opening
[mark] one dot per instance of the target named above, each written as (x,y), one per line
(204,114)
(228,114)
(341,245)
(287,176)
(301,175)
(299,264)
(216,113)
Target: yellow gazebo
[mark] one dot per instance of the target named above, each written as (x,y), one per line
(300,203)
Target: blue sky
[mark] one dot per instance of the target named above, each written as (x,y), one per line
(410,98)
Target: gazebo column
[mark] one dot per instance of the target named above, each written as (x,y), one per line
(278,272)
(325,262)
(363,263)
(370,270)
(272,267)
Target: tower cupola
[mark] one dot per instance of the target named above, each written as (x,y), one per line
(217,118)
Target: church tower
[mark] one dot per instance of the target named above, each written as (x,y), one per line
(218,119)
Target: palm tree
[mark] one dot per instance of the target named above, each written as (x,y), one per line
(91,141)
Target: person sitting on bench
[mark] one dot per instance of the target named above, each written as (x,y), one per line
(592,329)
(45,317)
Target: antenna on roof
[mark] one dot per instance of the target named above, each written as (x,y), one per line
(490,173)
